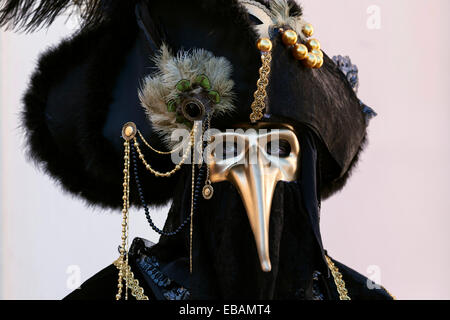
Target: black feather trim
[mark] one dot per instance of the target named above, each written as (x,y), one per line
(30,15)
(72,162)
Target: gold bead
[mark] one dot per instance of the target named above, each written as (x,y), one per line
(308,30)
(317,52)
(310,60)
(289,37)
(299,51)
(264,45)
(313,44)
(319,62)
(129,131)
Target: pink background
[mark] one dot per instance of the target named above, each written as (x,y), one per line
(390,222)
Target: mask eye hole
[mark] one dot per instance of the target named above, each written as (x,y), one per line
(229,149)
(278,148)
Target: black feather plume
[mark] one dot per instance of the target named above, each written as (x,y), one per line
(29,15)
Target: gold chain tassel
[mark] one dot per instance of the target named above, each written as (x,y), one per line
(136,290)
(259,104)
(123,259)
(191,231)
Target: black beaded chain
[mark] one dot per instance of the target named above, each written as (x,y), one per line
(197,191)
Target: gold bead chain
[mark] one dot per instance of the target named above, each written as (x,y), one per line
(208,189)
(157,151)
(177,167)
(260,94)
(191,230)
(123,259)
(337,276)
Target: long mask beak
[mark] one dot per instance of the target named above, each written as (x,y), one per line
(254,165)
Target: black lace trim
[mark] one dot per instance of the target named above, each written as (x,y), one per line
(169,288)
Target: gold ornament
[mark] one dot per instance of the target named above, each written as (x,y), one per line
(319,62)
(299,51)
(136,290)
(310,61)
(317,52)
(129,131)
(337,276)
(208,191)
(264,45)
(308,30)
(289,37)
(313,44)
(258,106)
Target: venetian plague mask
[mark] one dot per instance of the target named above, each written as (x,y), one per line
(190,89)
(254,159)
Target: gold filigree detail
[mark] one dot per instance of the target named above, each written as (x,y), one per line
(340,284)
(259,103)
(133,284)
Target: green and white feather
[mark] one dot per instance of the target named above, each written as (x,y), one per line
(160,88)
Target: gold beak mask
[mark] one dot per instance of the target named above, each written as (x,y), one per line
(254,161)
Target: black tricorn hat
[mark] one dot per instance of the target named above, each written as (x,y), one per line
(85,89)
